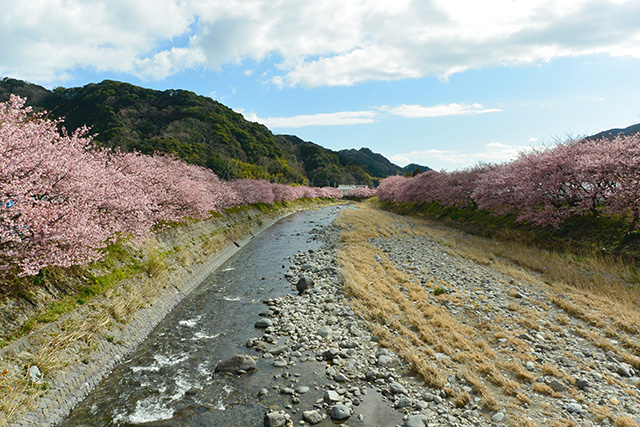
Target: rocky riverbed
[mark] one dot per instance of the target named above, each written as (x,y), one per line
(562,377)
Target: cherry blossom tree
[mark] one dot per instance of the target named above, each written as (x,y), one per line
(361,193)
(388,188)
(48,214)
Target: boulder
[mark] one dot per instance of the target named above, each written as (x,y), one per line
(237,364)
(304,283)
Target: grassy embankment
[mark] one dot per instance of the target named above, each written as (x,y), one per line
(599,289)
(67,311)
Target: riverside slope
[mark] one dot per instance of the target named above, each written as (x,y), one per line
(84,346)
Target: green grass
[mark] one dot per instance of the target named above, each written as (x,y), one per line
(77,286)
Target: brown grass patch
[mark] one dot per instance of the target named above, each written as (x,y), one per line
(624,422)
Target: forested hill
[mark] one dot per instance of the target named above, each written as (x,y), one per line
(376,164)
(196,128)
(612,133)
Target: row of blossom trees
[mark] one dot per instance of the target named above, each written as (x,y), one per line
(63,200)
(544,187)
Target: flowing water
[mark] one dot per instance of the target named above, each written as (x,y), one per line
(170,380)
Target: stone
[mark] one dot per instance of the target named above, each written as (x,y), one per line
(278,350)
(275,419)
(237,364)
(312,417)
(279,363)
(287,390)
(497,417)
(582,384)
(303,284)
(371,375)
(302,389)
(397,388)
(340,377)
(332,320)
(325,331)
(419,420)
(264,323)
(331,396)
(339,412)
(625,370)
(557,386)
(404,402)
(574,407)
(384,360)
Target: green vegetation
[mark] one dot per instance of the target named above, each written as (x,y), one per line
(75,285)
(377,165)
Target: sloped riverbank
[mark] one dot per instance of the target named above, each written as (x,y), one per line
(50,370)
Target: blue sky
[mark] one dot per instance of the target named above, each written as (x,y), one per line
(444,83)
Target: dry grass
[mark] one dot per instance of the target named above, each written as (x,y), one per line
(414,324)
(624,422)
(519,421)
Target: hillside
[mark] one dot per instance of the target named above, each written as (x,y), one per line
(199,130)
(612,133)
(376,164)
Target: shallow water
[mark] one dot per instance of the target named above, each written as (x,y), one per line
(170,380)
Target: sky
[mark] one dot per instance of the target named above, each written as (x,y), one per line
(442,83)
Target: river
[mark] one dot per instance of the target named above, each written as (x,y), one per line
(169,380)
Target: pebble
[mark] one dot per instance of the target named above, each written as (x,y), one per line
(339,412)
(497,417)
(312,417)
(419,420)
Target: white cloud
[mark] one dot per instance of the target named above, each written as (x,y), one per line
(327,43)
(46,40)
(493,152)
(342,118)
(454,109)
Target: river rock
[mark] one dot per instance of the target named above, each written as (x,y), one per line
(497,417)
(304,283)
(312,417)
(397,388)
(325,331)
(339,412)
(275,419)
(557,386)
(264,323)
(331,396)
(574,407)
(237,364)
(419,420)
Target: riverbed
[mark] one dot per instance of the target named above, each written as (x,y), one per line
(170,379)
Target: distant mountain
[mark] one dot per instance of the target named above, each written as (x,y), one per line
(412,168)
(612,133)
(376,164)
(200,131)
